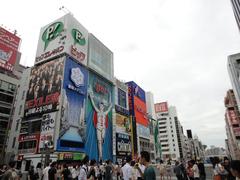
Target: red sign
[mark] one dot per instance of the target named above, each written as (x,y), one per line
(236,131)
(140,110)
(161,107)
(28,137)
(8,49)
(232,117)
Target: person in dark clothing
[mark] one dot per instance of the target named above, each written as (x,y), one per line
(52,172)
(92,172)
(184,171)
(108,170)
(177,170)
(201,168)
(226,166)
(66,174)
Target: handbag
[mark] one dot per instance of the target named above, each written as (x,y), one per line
(216,177)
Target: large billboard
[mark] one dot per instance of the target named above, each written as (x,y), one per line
(65,35)
(140,112)
(44,88)
(123,124)
(161,107)
(73,126)
(9,43)
(100,58)
(47,129)
(99,119)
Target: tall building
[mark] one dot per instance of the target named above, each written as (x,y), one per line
(236,10)
(10,74)
(68,97)
(232,121)
(122,145)
(234,74)
(152,123)
(171,135)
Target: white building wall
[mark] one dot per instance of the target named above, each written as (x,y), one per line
(12,147)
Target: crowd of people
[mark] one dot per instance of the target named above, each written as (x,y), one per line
(139,169)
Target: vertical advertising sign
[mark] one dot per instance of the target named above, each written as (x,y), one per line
(47,129)
(44,88)
(65,35)
(99,119)
(73,127)
(100,58)
(140,110)
(8,49)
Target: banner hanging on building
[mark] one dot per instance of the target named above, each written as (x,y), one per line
(72,133)
(44,88)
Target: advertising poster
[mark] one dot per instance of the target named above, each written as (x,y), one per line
(161,107)
(31,140)
(99,119)
(73,126)
(143,131)
(140,110)
(122,98)
(100,58)
(44,88)
(65,35)
(123,124)
(232,117)
(123,144)
(47,129)
(8,49)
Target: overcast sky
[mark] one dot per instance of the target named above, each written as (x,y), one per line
(175,49)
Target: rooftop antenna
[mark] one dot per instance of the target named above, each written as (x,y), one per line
(65,10)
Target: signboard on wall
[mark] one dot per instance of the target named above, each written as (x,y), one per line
(65,35)
(9,44)
(99,118)
(123,124)
(143,131)
(140,110)
(161,107)
(100,58)
(123,144)
(47,129)
(72,126)
(44,88)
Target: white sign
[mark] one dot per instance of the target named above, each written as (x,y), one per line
(47,128)
(65,35)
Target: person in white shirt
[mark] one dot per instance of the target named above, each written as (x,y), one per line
(127,169)
(84,169)
(142,168)
(45,172)
(195,171)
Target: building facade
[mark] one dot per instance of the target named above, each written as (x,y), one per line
(232,121)
(10,75)
(236,11)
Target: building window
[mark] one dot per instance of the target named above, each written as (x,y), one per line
(5,110)
(173,144)
(17,125)
(172,140)
(122,98)
(14,141)
(171,126)
(20,110)
(23,94)
(172,131)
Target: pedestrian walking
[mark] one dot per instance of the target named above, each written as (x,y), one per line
(227,168)
(201,168)
(52,172)
(178,171)
(45,171)
(169,169)
(108,170)
(84,169)
(127,169)
(162,169)
(195,169)
(235,168)
(11,173)
(149,172)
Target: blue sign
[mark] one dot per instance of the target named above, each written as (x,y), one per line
(137,90)
(72,133)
